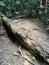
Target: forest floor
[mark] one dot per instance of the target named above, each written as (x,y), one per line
(13,54)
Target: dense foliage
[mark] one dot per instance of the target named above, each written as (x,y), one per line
(45,16)
(29,8)
(26,7)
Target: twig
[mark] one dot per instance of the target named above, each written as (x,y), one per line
(20,54)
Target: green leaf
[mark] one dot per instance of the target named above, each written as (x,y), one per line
(2,3)
(3,33)
(9,14)
(33,12)
(16,12)
(42,7)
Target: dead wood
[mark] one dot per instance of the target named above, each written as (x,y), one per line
(38,47)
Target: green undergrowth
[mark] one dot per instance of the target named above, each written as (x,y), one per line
(28,8)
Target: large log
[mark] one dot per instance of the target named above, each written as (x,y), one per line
(22,32)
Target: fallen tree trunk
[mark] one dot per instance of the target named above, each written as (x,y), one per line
(24,36)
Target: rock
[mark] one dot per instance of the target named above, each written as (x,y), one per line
(15,30)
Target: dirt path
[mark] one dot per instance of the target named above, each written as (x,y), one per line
(8,50)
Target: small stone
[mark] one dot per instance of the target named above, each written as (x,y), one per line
(26,57)
(33,58)
(15,54)
(47,60)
